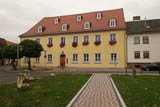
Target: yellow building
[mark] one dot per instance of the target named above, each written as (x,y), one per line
(96,39)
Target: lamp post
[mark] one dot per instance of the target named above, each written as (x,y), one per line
(19,48)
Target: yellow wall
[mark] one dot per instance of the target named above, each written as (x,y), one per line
(104,48)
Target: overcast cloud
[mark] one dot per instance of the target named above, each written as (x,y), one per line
(18,16)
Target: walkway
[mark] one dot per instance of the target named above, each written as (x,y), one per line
(98,93)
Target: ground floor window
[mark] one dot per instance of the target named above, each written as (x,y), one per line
(49,58)
(37,60)
(97,58)
(114,58)
(146,54)
(86,58)
(75,58)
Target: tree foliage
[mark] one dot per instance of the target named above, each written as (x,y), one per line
(0,53)
(31,49)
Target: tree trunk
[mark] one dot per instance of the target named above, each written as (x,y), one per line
(29,63)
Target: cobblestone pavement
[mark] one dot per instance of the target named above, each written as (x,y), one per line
(98,93)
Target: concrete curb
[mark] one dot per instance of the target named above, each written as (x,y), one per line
(118,94)
(78,94)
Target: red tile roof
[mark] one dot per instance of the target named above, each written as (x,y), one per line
(74,26)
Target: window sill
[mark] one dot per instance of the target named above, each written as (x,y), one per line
(113,62)
(97,62)
(49,63)
(74,62)
(86,63)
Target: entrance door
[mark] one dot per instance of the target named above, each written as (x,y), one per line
(62,60)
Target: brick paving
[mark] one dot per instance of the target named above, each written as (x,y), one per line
(98,93)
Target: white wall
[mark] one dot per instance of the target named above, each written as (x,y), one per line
(153,47)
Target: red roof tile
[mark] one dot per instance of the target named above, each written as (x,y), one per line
(74,26)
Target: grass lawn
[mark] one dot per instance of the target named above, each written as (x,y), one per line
(48,92)
(143,91)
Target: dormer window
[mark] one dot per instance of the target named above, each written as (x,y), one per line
(64,27)
(40,29)
(79,18)
(112,23)
(99,15)
(87,25)
(56,20)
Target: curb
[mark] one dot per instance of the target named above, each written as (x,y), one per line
(118,94)
(78,94)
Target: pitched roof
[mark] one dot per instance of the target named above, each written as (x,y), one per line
(74,26)
(4,42)
(10,43)
(143,26)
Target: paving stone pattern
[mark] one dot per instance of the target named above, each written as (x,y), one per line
(98,93)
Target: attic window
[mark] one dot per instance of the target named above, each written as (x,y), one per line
(99,15)
(112,23)
(79,18)
(64,27)
(40,29)
(56,20)
(87,25)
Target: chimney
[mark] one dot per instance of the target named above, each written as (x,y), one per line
(136,18)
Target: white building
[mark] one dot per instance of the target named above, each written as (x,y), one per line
(143,42)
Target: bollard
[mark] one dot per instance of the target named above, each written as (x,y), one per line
(134,72)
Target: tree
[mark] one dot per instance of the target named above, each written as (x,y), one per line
(1,56)
(31,49)
(10,52)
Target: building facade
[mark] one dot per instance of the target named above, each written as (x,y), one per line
(143,42)
(96,39)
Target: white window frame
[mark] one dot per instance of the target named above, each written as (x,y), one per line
(64,27)
(144,55)
(37,60)
(112,23)
(87,25)
(40,29)
(75,58)
(86,39)
(79,18)
(56,20)
(99,16)
(26,59)
(114,58)
(49,59)
(98,58)
(97,38)
(75,39)
(113,36)
(50,40)
(63,40)
(85,59)
(138,53)
(137,40)
(38,40)
(146,37)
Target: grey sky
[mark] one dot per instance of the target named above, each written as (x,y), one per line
(18,16)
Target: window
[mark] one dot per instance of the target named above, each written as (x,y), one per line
(50,40)
(136,40)
(64,27)
(86,58)
(112,37)
(75,58)
(87,25)
(146,54)
(37,60)
(98,38)
(75,39)
(86,38)
(97,58)
(63,40)
(56,20)
(137,55)
(26,59)
(145,40)
(79,18)
(114,59)
(49,58)
(38,40)
(99,15)
(112,23)
(40,29)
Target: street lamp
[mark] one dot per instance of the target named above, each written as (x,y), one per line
(19,48)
